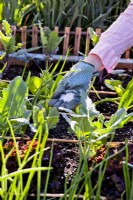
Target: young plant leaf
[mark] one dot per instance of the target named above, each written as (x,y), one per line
(127,98)
(13,101)
(115,85)
(116,118)
(6,27)
(34,84)
(94,36)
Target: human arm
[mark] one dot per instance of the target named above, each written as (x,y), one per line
(115,40)
(112,44)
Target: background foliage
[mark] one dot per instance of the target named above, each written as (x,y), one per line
(82,13)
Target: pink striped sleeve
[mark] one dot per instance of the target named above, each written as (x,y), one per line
(115,40)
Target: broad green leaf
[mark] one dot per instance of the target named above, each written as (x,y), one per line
(127,98)
(53,41)
(13,100)
(116,118)
(49,39)
(111,84)
(87,107)
(94,36)
(3,84)
(39,117)
(80,122)
(42,35)
(7,28)
(35,116)
(119,90)
(52,121)
(3,125)
(34,84)
(53,112)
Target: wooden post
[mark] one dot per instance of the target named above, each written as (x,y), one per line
(66,40)
(13,31)
(77,41)
(23,36)
(127,53)
(34,36)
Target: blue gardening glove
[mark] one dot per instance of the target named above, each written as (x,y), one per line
(76,81)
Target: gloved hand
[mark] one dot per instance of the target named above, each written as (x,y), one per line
(76,81)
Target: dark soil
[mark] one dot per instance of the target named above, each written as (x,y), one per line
(66,155)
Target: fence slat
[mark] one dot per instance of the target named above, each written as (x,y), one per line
(13,30)
(66,40)
(77,41)
(34,36)
(23,36)
(127,53)
(87,45)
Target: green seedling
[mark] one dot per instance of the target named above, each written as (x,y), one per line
(50,42)
(115,85)
(94,36)
(7,39)
(125,99)
(13,105)
(90,126)
(9,44)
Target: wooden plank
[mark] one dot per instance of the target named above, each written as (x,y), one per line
(109,144)
(87,45)
(103,92)
(77,41)
(13,31)
(23,36)
(34,36)
(122,64)
(66,40)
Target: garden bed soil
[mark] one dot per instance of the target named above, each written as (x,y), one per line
(66,155)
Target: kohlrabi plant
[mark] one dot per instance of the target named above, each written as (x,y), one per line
(7,39)
(50,42)
(91,127)
(9,44)
(13,105)
(115,85)
(43,87)
(125,99)
(40,116)
(17,108)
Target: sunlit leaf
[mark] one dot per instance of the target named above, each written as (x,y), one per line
(13,100)
(34,84)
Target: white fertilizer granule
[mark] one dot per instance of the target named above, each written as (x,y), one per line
(67,97)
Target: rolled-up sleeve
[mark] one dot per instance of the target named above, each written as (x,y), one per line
(115,40)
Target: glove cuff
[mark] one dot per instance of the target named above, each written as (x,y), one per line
(86,63)
(96,73)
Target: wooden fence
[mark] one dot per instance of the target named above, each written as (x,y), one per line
(75,44)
